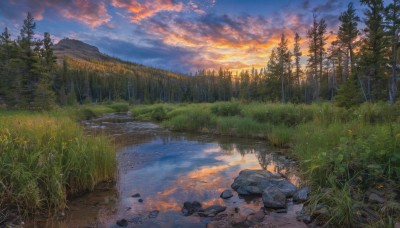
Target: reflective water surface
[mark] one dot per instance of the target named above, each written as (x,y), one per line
(168,168)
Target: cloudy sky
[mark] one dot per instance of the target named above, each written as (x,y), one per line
(175,34)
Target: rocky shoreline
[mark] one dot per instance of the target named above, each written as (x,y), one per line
(274,189)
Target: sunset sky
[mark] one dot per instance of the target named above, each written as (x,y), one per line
(176,35)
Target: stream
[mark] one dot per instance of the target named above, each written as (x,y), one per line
(168,168)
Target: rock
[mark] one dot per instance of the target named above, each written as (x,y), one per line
(190,207)
(256,218)
(273,198)
(287,188)
(397,225)
(307,219)
(153,214)
(301,195)
(137,220)
(212,211)
(137,195)
(140,200)
(375,198)
(256,181)
(122,222)
(226,194)
(245,212)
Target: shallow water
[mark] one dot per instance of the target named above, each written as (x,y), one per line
(168,168)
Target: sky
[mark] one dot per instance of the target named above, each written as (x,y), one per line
(178,35)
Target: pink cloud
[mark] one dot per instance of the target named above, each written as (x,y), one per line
(147,9)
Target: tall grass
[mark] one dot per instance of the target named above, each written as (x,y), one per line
(342,150)
(46,157)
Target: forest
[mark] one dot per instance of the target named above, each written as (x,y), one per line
(361,65)
(333,106)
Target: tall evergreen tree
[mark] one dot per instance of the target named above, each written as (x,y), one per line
(31,65)
(392,22)
(373,51)
(317,40)
(283,64)
(297,54)
(348,32)
(44,96)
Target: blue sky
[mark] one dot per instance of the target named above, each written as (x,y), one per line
(177,35)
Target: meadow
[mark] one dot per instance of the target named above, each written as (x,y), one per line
(45,158)
(343,153)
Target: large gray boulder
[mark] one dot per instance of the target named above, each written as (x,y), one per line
(251,182)
(273,198)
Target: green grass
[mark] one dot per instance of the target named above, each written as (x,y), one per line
(341,151)
(45,157)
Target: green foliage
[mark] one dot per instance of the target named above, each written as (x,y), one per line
(192,120)
(44,158)
(286,114)
(119,107)
(226,109)
(158,114)
(349,94)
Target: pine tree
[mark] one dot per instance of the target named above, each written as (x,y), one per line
(297,54)
(392,22)
(348,32)
(30,63)
(373,52)
(283,56)
(317,41)
(44,96)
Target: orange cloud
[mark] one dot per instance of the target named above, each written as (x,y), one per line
(89,13)
(147,9)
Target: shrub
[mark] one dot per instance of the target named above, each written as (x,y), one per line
(158,114)
(226,109)
(191,120)
(119,107)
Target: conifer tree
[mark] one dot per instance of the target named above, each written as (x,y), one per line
(392,22)
(348,32)
(374,51)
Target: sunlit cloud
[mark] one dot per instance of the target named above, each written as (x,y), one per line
(182,35)
(146,9)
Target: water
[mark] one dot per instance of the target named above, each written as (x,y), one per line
(168,168)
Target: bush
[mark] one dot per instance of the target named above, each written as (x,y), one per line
(158,114)
(226,109)
(192,120)
(119,107)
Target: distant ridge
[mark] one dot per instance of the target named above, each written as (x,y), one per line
(81,55)
(78,49)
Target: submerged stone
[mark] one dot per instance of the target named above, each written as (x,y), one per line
(226,194)
(122,222)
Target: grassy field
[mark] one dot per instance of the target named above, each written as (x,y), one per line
(343,152)
(45,157)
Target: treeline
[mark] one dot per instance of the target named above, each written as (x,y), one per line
(27,67)
(359,66)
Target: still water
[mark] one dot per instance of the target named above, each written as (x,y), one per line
(168,168)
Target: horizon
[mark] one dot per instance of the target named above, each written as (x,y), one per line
(180,36)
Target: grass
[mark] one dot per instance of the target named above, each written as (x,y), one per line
(45,157)
(343,152)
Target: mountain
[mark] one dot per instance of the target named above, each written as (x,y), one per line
(78,49)
(83,56)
